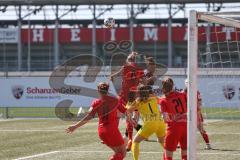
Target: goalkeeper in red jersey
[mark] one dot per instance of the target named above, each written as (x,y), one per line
(131,75)
(106,107)
(174,109)
(200,118)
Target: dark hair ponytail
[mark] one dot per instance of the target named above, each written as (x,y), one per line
(143,92)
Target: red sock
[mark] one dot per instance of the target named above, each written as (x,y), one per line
(130,135)
(184,157)
(205,137)
(117,156)
(130,130)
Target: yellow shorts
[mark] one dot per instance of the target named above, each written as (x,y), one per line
(148,128)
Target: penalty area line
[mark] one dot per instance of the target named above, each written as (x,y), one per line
(150,152)
(37,155)
(105,152)
(89,151)
(59,130)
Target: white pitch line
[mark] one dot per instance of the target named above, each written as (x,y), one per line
(234,154)
(30,130)
(53,152)
(8,120)
(103,152)
(82,131)
(222,133)
(20,119)
(42,130)
(37,155)
(226,153)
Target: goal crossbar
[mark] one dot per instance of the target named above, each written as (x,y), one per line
(215,19)
(220,13)
(193,70)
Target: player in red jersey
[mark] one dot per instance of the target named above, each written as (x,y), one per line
(131,76)
(148,80)
(174,110)
(200,118)
(106,107)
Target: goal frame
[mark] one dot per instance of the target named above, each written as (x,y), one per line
(192,71)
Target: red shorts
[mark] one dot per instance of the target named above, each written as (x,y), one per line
(176,133)
(111,136)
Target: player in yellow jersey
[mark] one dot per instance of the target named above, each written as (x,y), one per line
(149,111)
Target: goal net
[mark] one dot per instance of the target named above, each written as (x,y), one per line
(214,69)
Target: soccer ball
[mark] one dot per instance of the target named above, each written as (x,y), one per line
(109,22)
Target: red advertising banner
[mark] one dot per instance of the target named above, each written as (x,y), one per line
(141,34)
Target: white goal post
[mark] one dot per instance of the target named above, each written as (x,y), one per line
(221,18)
(192,84)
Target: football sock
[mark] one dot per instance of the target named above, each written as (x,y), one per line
(135,150)
(130,130)
(129,145)
(205,137)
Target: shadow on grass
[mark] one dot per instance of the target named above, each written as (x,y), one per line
(224,150)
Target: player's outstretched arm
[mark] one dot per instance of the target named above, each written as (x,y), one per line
(73,127)
(131,107)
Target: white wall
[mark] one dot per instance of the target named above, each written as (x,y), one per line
(211,88)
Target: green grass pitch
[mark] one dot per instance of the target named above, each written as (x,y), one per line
(49,112)
(41,139)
